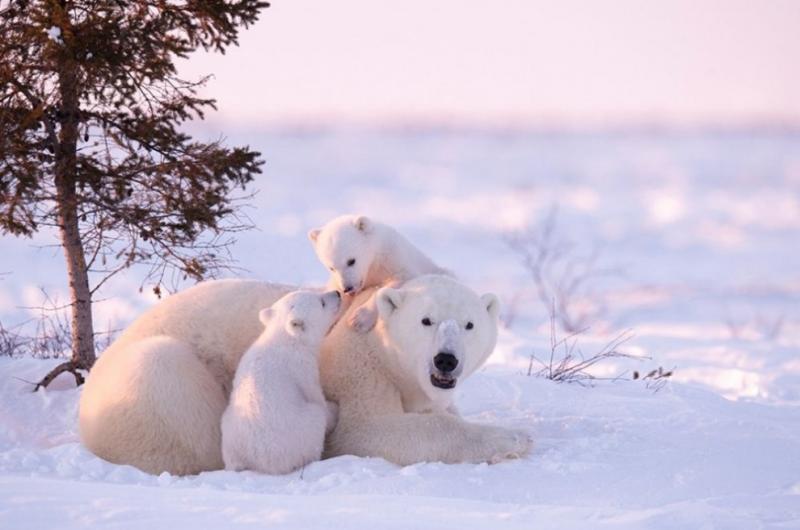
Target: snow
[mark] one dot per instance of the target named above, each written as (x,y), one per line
(703,225)
(616,456)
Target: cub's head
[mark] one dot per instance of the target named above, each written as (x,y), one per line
(347,246)
(439,330)
(304,315)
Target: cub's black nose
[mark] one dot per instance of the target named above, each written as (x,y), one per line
(446,362)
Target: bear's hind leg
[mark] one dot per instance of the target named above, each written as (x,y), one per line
(153,405)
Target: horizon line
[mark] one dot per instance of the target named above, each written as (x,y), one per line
(588,126)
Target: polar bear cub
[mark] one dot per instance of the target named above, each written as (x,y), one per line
(277,416)
(362,253)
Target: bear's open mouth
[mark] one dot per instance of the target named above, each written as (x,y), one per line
(443,381)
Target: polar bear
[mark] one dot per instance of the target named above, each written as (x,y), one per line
(277,417)
(155,398)
(395,385)
(362,253)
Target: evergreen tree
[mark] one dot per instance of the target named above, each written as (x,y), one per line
(91,109)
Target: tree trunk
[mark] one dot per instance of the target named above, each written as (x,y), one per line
(66,181)
(83,355)
(66,178)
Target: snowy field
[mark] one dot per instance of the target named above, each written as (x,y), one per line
(702,234)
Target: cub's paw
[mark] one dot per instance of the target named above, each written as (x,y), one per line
(363,319)
(510,444)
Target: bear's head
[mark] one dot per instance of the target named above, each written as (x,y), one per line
(347,246)
(438,330)
(305,315)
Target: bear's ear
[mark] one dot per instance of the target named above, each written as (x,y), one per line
(363,223)
(388,300)
(314,234)
(492,304)
(295,326)
(265,315)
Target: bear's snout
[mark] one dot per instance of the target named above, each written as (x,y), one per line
(445,362)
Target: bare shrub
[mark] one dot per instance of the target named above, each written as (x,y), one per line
(52,337)
(562,277)
(48,336)
(656,379)
(12,342)
(566,363)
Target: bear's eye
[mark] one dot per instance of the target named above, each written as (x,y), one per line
(331,269)
(322,301)
(427,322)
(470,325)
(351,262)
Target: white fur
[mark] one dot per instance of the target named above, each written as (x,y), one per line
(388,405)
(277,416)
(362,253)
(156,405)
(155,398)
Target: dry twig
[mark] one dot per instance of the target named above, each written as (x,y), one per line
(655,379)
(566,363)
(562,279)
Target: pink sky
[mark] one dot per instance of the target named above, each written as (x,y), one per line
(513,62)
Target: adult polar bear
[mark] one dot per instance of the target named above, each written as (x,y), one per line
(394,385)
(154,399)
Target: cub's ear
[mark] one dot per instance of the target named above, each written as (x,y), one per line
(314,234)
(363,223)
(265,315)
(492,304)
(388,300)
(295,326)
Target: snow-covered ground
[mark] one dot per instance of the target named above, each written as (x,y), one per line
(703,231)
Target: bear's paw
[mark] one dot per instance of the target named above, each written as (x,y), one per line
(509,444)
(363,319)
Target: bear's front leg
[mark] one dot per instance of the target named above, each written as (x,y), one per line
(408,438)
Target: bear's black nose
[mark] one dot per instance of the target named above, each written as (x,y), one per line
(445,361)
